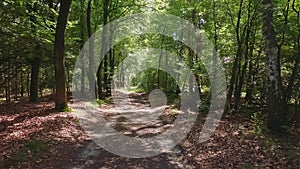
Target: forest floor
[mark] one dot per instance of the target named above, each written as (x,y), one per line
(34,136)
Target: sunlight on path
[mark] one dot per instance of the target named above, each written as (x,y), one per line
(132,117)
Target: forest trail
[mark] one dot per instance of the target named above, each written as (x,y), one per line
(68,146)
(133,117)
(33,136)
(245,52)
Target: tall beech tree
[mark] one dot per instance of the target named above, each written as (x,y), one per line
(103,48)
(91,71)
(35,62)
(59,53)
(276,104)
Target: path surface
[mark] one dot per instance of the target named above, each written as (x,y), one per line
(133,117)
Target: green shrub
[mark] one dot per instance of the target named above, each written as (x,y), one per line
(258,122)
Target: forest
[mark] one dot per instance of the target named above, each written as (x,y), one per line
(223,71)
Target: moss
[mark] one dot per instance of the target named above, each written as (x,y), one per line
(104,101)
(62,108)
(100,102)
(30,151)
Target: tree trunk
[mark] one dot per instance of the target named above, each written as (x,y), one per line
(250,79)
(246,42)
(105,74)
(34,87)
(82,83)
(59,52)
(160,60)
(91,70)
(7,89)
(166,73)
(275,102)
(235,66)
(35,63)
(16,84)
(28,84)
(103,48)
(111,60)
(82,55)
(111,70)
(22,84)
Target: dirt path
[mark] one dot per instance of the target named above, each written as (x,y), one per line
(33,136)
(135,118)
(67,144)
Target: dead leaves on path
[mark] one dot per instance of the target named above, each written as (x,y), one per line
(231,146)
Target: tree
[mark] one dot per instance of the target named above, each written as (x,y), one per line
(275,101)
(103,47)
(59,52)
(91,71)
(35,63)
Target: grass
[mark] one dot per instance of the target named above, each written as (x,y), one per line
(105,101)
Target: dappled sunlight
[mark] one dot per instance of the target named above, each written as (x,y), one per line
(231,145)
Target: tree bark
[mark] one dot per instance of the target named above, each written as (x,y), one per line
(91,70)
(59,52)
(103,48)
(111,62)
(22,84)
(34,87)
(105,74)
(275,102)
(82,55)
(35,63)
